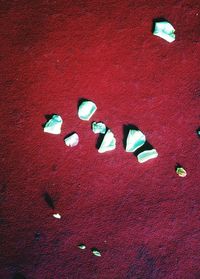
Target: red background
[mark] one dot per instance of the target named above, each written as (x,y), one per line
(142,217)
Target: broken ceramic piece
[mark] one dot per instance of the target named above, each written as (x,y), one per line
(147,155)
(82,246)
(86,110)
(181,171)
(96,252)
(72,140)
(108,143)
(134,140)
(164,30)
(98,127)
(57,216)
(53,126)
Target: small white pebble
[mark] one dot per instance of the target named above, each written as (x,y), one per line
(57,216)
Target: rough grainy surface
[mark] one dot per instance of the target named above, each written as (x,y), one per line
(144,218)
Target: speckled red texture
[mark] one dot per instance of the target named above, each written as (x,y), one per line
(143,218)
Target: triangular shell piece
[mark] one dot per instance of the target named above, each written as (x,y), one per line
(108,143)
(53,126)
(72,140)
(165,31)
(86,110)
(98,127)
(147,155)
(134,140)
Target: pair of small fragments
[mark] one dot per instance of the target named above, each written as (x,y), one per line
(134,141)
(95,251)
(164,30)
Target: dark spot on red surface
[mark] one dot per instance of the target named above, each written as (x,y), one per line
(144,265)
(49,200)
(54,167)
(19,276)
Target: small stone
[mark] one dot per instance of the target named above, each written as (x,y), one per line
(82,246)
(134,140)
(53,126)
(108,143)
(147,155)
(164,30)
(72,140)
(181,171)
(96,252)
(57,216)
(98,127)
(86,110)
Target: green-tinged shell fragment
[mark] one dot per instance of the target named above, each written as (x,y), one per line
(147,155)
(86,110)
(82,246)
(96,252)
(53,126)
(134,140)
(164,30)
(98,127)
(181,171)
(108,142)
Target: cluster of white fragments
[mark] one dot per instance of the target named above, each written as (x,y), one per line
(86,109)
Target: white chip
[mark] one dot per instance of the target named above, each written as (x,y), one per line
(147,155)
(98,127)
(134,140)
(108,143)
(164,30)
(86,110)
(53,126)
(57,216)
(72,140)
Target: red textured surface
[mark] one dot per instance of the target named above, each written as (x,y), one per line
(143,217)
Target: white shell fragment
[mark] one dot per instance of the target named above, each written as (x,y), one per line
(165,31)
(108,143)
(86,110)
(72,140)
(53,126)
(96,252)
(82,246)
(98,127)
(147,155)
(134,140)
(57,216)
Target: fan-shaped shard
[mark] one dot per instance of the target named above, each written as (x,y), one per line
(53,126)
(108,143)
(134,140)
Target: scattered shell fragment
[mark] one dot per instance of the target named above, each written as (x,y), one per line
(96,252)
(164,30)
(82,246)
(53,126)
(134,140)
(57,216)
(72,140)
(86,110)
(98,127)
(108,143)
(181,171)
(147,155)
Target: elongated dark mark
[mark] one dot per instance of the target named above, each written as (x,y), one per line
(49,200)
